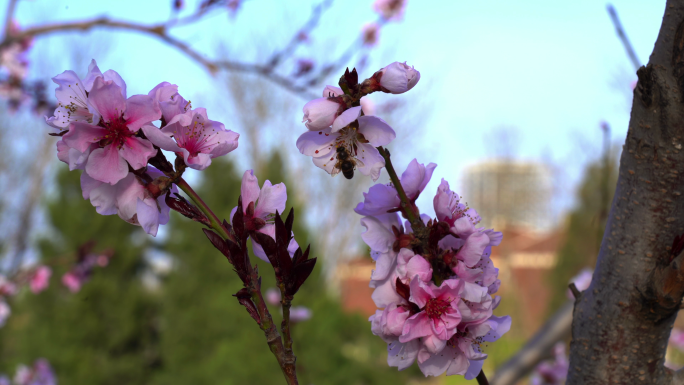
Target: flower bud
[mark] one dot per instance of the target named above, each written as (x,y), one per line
(320,113)
(398,78)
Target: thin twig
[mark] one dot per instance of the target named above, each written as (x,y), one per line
(11,6)
(407,207)
(316,14)
(623,37)
(482,379)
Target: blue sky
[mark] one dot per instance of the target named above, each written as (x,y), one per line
(548,72)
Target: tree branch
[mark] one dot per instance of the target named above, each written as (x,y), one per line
(623,320)
(160,31)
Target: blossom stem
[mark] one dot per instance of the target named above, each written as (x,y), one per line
(285,326)
(482,379)
(408,208)
(283,355)
(215,222)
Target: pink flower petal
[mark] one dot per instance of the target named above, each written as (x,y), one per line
(373,162)
(472,250)
(106,98)
(160,139)
(141,109)
(137,152)
(249,188)
(106,165)
(272,198)
(314,143)
(148,216)
(416,326)
(376,130)
(102,195)
(346,118)
(82,135)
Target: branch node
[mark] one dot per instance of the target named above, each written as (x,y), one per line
(575,291)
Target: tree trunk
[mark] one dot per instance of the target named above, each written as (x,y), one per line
(622,322)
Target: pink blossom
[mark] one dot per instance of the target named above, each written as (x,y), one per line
(462,354)
(72,99)
(398,78)
(360,143)
(170,101)
(194,136)
(72,281)
(5,312)
(265,201)
(448,206)
(118,145)
(4,380)
(390,9)
(370,33)
(388,325)
(439,314)
(321,113)
(381,198)
(129,199)
(300,314)
(411,266)
(40,279)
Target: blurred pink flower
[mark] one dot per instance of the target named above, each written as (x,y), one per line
(552,372)
(72,281)
(304,66)
(300,314)
(370,33)
(677,339)
(102,260)
(390,9)
(40,279)
(40,373)
(273,296)
(5,311)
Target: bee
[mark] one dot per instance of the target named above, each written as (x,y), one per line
(345,163)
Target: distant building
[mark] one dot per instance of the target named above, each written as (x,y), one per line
(508,193)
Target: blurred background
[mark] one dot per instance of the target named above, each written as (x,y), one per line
(523,105)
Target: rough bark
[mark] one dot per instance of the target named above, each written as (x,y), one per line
(622,322)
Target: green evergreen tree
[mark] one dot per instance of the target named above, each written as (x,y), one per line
(584,226)
(107,332)
(208,338)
